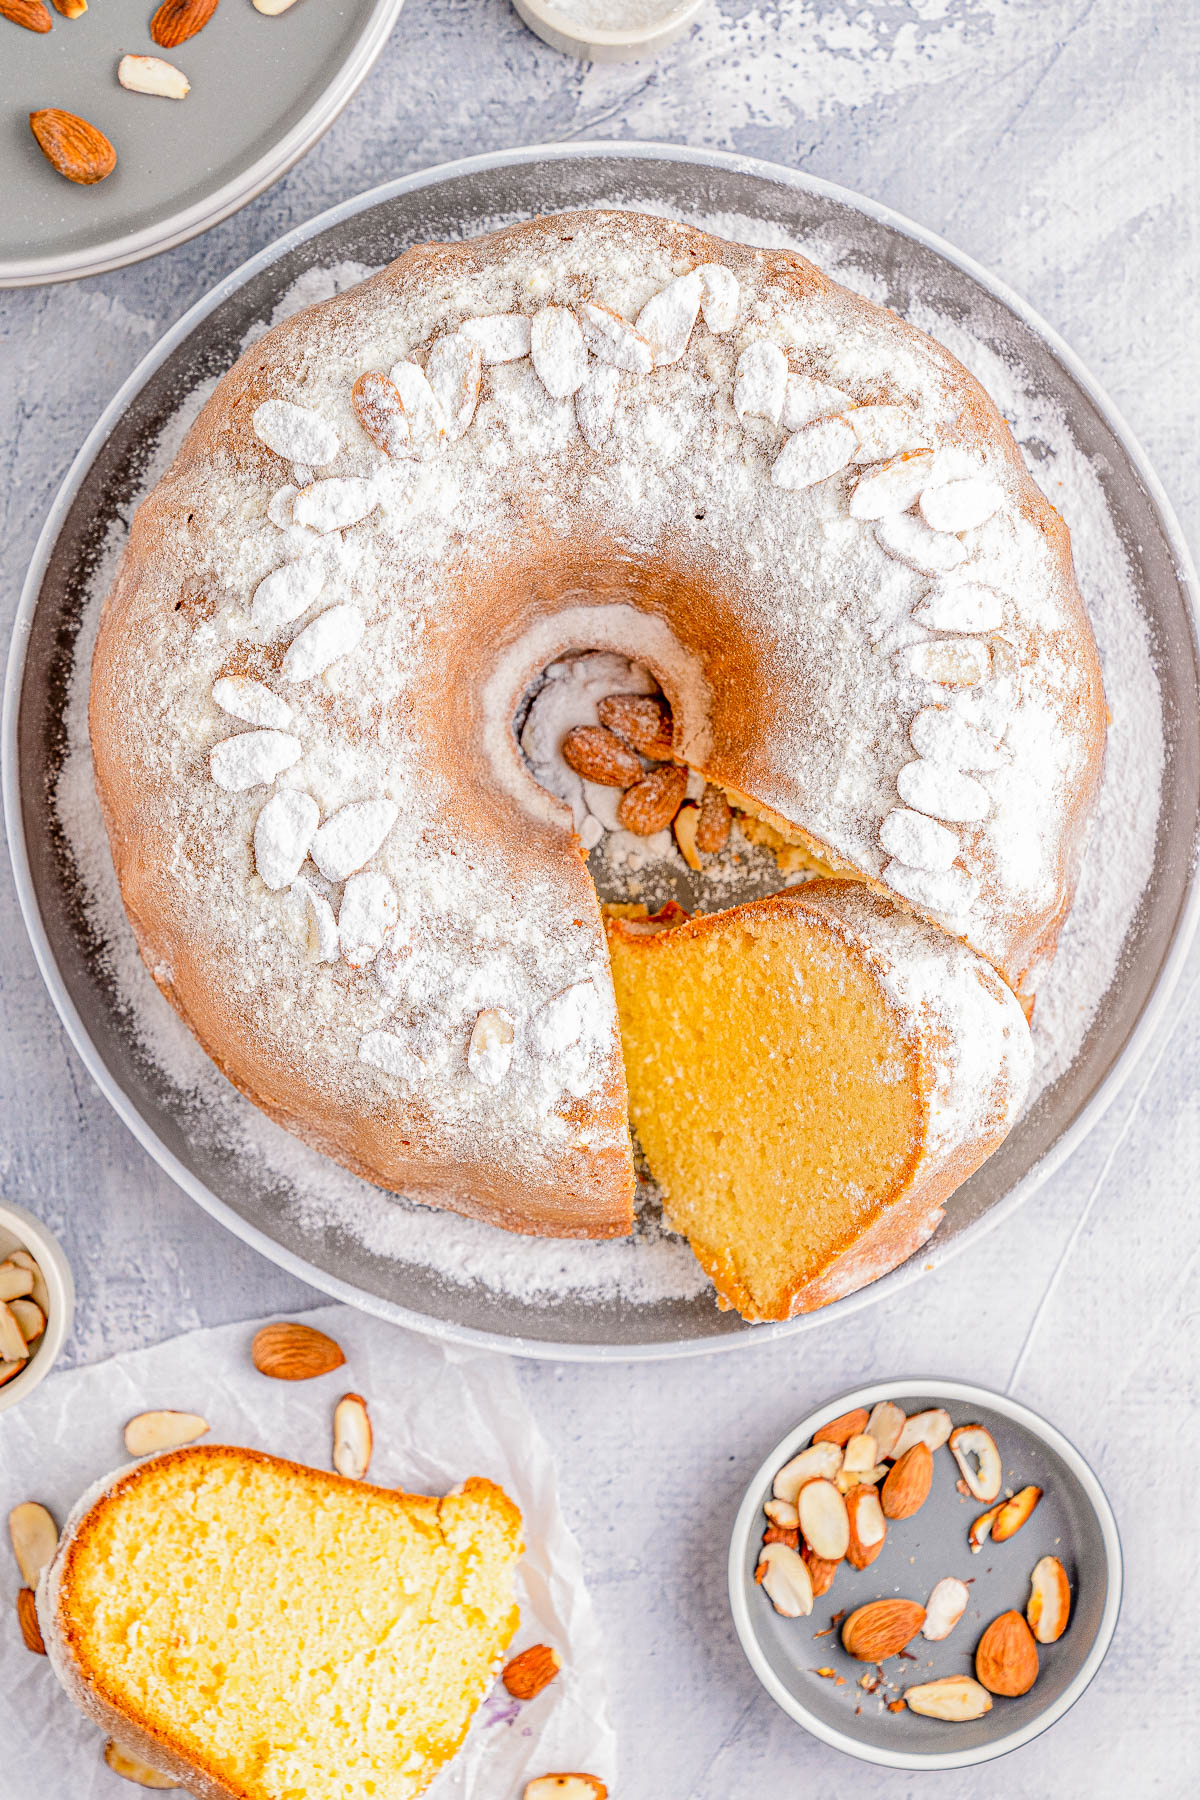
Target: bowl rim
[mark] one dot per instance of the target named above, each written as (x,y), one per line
(451,1330)
(747,1524)
(643,38)
(51,1258)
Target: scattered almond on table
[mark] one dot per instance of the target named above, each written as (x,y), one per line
(837,1500)
(531,1671)
(565,1787)
(287,1351)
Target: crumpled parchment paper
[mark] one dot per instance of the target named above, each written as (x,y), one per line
(439,1413)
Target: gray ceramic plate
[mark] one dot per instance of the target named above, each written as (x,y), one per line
(1073,1521)
(263,91)
(457,201)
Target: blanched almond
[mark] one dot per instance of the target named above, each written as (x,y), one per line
(819,1462)
(353,1438)
(974,1450)
(150,1433)
(785,1579)
(1049,1605)
(34,1539)
(885,1424)
(823,1519)
(930,1428)
(944,1608)
(954,1697)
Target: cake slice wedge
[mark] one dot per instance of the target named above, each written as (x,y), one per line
(810,1076)
(264,1631)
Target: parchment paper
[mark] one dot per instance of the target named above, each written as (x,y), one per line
(439,1414)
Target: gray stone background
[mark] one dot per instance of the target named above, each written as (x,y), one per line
(1057,142)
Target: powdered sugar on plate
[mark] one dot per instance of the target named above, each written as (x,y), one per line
(321,1197)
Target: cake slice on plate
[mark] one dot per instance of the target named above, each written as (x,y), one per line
(265,1631)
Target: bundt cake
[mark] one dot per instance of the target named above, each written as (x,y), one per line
(603,432)
(260,1630)
(810,1076)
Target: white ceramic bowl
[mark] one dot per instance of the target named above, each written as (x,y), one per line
(19,1230)
(1073,1521)
(591,43)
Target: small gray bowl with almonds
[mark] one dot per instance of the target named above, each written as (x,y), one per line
(37,1302)
(941,1575)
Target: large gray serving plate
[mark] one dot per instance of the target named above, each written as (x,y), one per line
(452,202)
(1073,1521)
(263,91)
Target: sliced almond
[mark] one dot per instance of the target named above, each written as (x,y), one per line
(974,1450)
(271,9)
(981,1528)
(944,1608)
(1049,1605)
(868,1527)
(861,1453)
(1006,1659)
(885,1424)
(843,1428)
(686,825)
(954,1697)
(380,411)
(39,1291)
(153,75)
(34,1539)
(565,1787)
(782,1513)
(785,1579)
(289,1352)
(1014,1513)
(532,1670)
(150,1433)
(13,1347)
(847,1479)
(892,486)
(15,1281)
(814,453)
(27,1618)
(493,1042)
(352,1437)
(783,1534)
(823,1519)
(907,1486)
(9,1369)
(819,1462)
(29,1317)
(132,1768)
(597,754)
(930,1428)
(821,1570)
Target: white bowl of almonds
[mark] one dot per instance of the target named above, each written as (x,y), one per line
(925,1574)
(37,1302)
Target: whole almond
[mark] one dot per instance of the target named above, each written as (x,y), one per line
(73,146)
(716,821)
(289,1352)
(643,720)
(528,1673)
(27,1617)
(178,20)
(843,1428)
(597,755)
(1006,1660)
(650,805)
(881,1628)
(907,1486)
(29,13)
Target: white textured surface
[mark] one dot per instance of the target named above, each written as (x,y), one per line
(1056,141)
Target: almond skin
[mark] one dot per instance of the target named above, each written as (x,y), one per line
(907,1486)
(782,1534)
(178,20)
(289,1352)
(643,720)
(531,1671)
(821,1571)
(72,145)
(650,805)
(29,13)
(841,1430)
(881,1628)
(27,1617)
(598,755)
(1006,1661)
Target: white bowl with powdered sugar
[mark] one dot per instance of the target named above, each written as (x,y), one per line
(645,1295)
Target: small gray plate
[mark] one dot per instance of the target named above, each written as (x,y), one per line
(263,91)
(909,267)
(1073,1521)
